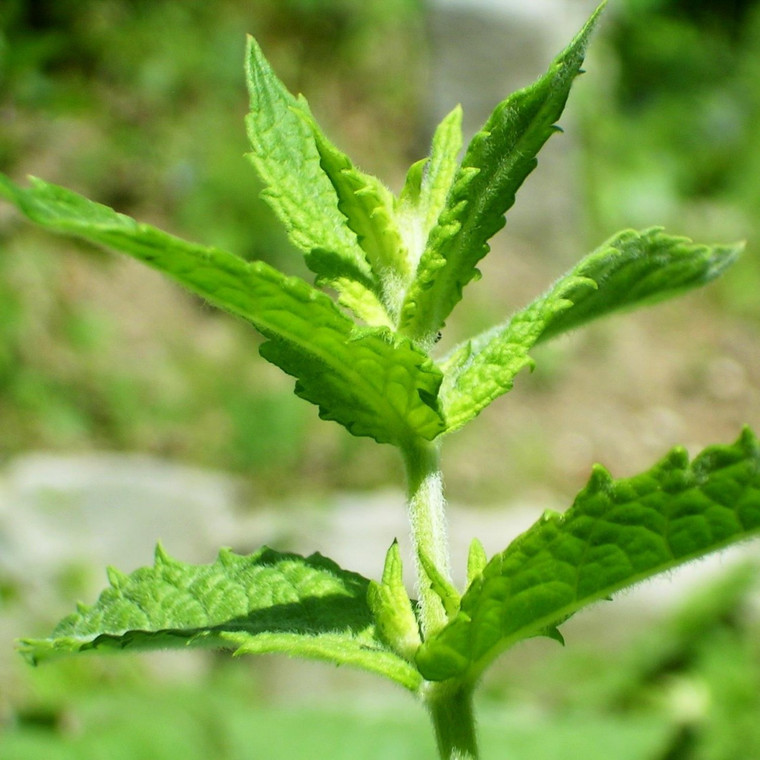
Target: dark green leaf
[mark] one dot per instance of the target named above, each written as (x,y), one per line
(616,534)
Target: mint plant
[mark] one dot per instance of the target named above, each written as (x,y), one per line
(365,352)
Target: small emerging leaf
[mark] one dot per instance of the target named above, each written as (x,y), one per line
(265,602)
(427,186)
(368,207)
(442,587)
(631,269)
(477,559)
(616,534)
(392,609)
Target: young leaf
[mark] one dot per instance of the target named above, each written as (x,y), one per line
(298,190)
(373,383)
(616,534)
(427,185)
(264,602)
(496,163)
(631,269)
(392,609)
(476,560)
(368,207)
(442,587)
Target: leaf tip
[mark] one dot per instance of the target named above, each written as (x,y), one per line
(226,556)
(392,570)
(477,559)
(600,479)
(28,650)
(116,578)
(161,557)
(748,440)
(552,515)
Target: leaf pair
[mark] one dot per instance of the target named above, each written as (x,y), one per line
(617,533)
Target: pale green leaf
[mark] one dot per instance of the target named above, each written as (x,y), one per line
(392,609)
(298,190)
(368,207)
(440,585)
(496,163)
(372,382)
(631,269)
(476,560)
(427,186)
(264,602)
(616,534)
(353,292)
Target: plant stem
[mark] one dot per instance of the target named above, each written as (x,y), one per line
(450,706)
(450,702)
(428,527)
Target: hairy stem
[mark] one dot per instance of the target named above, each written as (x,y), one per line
(450,706)
(428,527)
(449,702)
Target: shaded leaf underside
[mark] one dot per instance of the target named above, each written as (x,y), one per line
(265,602)
(616,534)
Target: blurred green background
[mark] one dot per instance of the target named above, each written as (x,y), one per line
(140,105)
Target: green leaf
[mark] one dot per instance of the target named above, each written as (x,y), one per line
(616,534)
(631,269)
(476,560)
(427,186)
(634,269)
(372,382)
(496,163)
(441,586)
(392,609)
(298,190)
(264,602)
(368,207)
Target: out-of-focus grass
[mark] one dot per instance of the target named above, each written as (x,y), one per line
(224,718)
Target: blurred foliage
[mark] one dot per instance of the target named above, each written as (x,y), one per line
(671,126)
(140,104)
